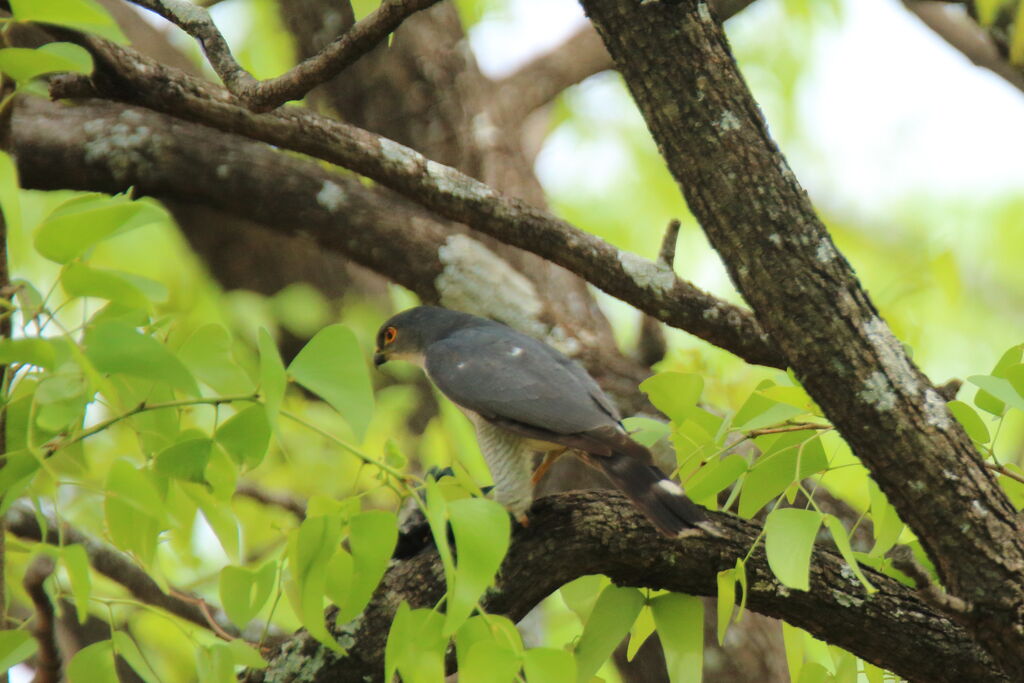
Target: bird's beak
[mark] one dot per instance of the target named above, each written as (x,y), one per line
(379,359)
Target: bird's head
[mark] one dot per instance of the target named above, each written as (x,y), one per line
(407,335)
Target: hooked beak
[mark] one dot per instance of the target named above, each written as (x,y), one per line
(379,359)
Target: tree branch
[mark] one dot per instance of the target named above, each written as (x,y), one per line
(21,521)
(126,75)
(961,32)
(599,532)
(48,661)
(273,92)
(678,67)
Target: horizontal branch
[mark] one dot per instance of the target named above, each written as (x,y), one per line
(123,74)
(293,85)
(115,565)
(600,532)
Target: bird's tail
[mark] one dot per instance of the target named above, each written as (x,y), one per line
(660,499)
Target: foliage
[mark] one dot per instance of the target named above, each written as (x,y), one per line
(137,397)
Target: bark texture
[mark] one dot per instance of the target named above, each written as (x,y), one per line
(679,69)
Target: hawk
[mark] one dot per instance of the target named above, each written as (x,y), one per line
(524,397)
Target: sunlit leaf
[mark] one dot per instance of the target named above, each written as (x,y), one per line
(609,622)
(243,592)
(78,224)
(489,661)
(641,630)
(245,654)
(126,647)
(246,435)
(415,646)
(842,541)
(76,562)
(87,15)
(789,539)
(24,64)
(673,393)
(208,355)
(273,379)
(185,460)
(31,350)
(118,348)
(547,665)
(715,476)
(372,538)
(680,622)
(219,516)
(15,647)
(999,388)
(788,457)
(331,365)
(310,548)
(726,601)
(93,664)
(971,421)
(481,529)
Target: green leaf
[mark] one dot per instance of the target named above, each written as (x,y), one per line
(842,541)
(93,664)
(79,279)
(31,350)
(971,421)
(301,308)
(76,562)
(135,488)
(126,647)
(371,538)
(115,347)
(547,665)
(243,592)
(999,388)
(789,539)
(715,476)
(16,474)
(245,655)
(760,411)
(10,203)
(489,661)
(208,355)
(789,457)
(24,64)
(273,379)
(219,516)
(680,622)
(246,436)
(15,647)
(887,524)
(581,595)
(1017,38)
(415,646)
(674,393)
(78,224)
(310,549)
(490,628)
(215,664)
(86,15)
(134,514)
(641,630)
(610,620)
(726,601)
(331,365)
(481,529)
(185,460)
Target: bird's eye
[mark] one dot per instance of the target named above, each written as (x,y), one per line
(390,335)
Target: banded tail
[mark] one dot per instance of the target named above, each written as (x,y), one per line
(660,499)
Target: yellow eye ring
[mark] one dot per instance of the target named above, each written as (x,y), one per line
(390,335)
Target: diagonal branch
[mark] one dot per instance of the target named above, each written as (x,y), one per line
(599,532)
(126,75)
(782,259)
(48,661)
(964,34)
(273,92)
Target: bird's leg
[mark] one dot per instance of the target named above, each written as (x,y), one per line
(549,459)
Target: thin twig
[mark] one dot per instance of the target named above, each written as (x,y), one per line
(651,345)
(1006,472)
(903,559)
(204,608)
(294,84)
(282,500)
(48,662)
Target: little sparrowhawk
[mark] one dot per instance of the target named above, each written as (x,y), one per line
(524,397)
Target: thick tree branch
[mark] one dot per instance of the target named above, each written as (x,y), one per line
(601,533)
(21,521)
(273,92)
(126,75)
(48,661)
(678,67)
(964,34)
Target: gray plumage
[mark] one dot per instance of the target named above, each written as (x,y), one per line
(525,397)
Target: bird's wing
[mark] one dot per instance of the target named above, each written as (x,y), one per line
(507,377)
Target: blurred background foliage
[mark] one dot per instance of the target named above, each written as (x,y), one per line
(943,265)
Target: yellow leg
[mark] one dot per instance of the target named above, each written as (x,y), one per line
(545,465)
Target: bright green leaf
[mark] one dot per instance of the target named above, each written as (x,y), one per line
(208,355)
(15,647)
(372,538)
(10,204)
(31,350)
(243,592)
(219,516)
(715,476)
(726,601)
(331,365)
(998,388)
(246,436)
(581,595)
(788,458)
(789,539)
(842,541)
(79,279)
(415,646)
(185,460)
(972,422)
(16,474)
(86,15)
(609,622)
(887,524)
(641,630)
(301,308)
(489,661)
(673,393)
(310,549)
(78,224)
(760,411)
(76,562)
(125,646)
(24,64)
(93,664)
(245,654)
(115,347)
(215,664)
(273,379)
(547,665)
(481,529)
(680,622)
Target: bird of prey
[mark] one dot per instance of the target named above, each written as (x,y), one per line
(524,397)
